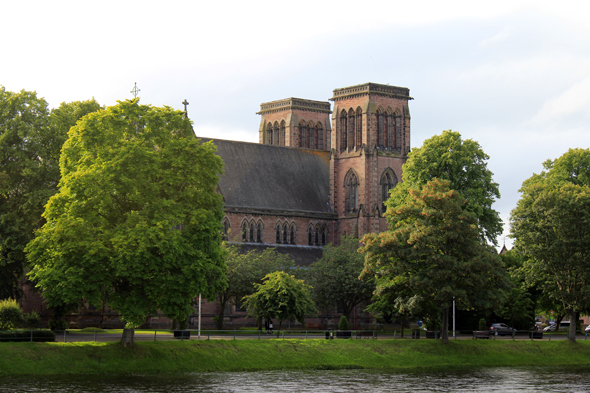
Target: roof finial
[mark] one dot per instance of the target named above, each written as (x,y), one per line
(135,90)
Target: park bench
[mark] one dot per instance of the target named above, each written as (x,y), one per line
(366,335)
(484,334)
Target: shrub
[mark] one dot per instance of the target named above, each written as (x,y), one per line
(32,320)
(58,324)
(482,324)
(11,315)
(17,336)
(343,324)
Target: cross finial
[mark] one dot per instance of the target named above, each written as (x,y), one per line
(185,103)
(135,90)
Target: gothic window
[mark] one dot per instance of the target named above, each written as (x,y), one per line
(251,238)
(343,142)
(275,134)
(311,136)
(351,190)
(259,233)
(302,134)
(285,234)
(282,134)
(324,235)
(226,228)
(269,134)
(244,231)
(319,132)
(398,132)
(317,235)
(350,129)
(380,128)
(388,181)
(389,141)
(310,236)
(278,230)
(292,235)
(359,127)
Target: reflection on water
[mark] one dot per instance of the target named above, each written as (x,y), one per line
(493,379)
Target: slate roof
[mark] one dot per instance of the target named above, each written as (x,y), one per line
(259,176)
(302,255)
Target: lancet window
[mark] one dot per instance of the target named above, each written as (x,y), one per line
(388,181)
(319,131)
(311,136)
(226,228)
(359,127)
(351,190)
(282,134)
(269,134)
(350,128)
(303,134)
(343,130)
(275,134)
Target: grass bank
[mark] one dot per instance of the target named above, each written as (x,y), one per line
(250,355)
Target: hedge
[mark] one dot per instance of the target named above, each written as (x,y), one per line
(25,335)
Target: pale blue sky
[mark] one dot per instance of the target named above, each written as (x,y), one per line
(513,75)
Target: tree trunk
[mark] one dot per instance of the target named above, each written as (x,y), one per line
(127,339)
(572,332)
(101,315)
(280,324)
(221,316)
(445,324)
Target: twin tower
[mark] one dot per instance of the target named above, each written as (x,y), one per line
(368,135)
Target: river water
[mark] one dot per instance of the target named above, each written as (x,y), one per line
(333,381)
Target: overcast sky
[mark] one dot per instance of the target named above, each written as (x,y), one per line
(512,75)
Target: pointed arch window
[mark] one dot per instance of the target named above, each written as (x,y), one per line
(292,234)
(311,136)
(275,134)
(251,238)
(350,130)
(319,131)
(388,181)
(380,128)
(390,127)
(282,134)
(259,233)
(317,235)
(351,189)
(343,131)
(302,134)
(310,236)
(226,228)
(359,127)
(285,234)
(278,233)
(269,134)
(324,235)
(244,231)
(398,132)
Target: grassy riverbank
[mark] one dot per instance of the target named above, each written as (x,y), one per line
(241,355)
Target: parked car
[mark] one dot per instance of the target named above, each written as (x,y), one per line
(550,328)
(587,330)
(501,329)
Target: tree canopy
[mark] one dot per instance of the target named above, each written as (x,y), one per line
(30,144)
(464,164)
(433,254)
(551,227)
(136,216)
(280,296)
(335,277)
(244,270)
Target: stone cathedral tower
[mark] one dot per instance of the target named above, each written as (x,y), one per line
(370,142)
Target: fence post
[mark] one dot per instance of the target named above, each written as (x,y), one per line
(549,335)
(394,332)
(64,335)
(155,331)
(234,334)
(31,335)
(258,334)
(513,334)
(208,334)
(306,335)
(95,336)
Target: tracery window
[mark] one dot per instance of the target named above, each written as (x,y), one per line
(244,231)
(269,134)
(380,128)
(278,234)
(351,190)
(343,131)
(285,234)
(389,127)
(292,236)
(317,235)
(398,132)
(310,236)
(251,232)
(324,235)
(311,136)
(388,181)
(359,127)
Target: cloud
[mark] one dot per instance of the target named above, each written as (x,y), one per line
(498,38)
(572,103)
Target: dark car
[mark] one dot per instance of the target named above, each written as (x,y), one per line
(501,329)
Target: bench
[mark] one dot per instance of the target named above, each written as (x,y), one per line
(483,334)
(366,335)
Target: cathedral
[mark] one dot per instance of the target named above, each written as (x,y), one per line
(318,172)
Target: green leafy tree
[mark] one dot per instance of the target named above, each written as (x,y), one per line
(11,315)
(433,254)
(464,164)
(30,143)
(280,296)
(551,226)
(136,214)
(335,277)
(244,270)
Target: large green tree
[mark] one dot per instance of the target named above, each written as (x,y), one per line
(136,214)
(244,270)
(30,144)
(464,164)
(335,277)
(551,226)
(280,296)
(433,254)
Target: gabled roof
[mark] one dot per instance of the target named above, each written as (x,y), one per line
(267,177)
